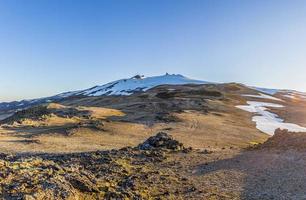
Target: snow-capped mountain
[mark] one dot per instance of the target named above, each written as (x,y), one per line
(135,84)
(120,87)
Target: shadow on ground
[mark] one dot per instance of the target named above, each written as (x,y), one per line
(258,174)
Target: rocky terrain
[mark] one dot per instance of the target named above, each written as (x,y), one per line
(142,172)
(158,168)
(169,141)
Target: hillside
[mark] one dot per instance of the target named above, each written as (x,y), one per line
(105,146)
(200,115)
(130,86)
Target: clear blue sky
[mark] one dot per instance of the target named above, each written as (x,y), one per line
(51,46)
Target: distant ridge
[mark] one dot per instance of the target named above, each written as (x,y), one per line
(129,86)
(135,84)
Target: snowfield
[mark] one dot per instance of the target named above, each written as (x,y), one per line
(267,121)
(137,84)
(266,90)
(262,96)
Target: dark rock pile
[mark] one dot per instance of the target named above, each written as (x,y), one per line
(161,141)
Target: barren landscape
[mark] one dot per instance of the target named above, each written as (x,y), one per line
(88,147)
(94,123)
(152,100)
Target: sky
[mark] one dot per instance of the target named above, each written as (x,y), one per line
(52,46)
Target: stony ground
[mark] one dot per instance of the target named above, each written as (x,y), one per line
(143,172)
(159,168)
(61,151)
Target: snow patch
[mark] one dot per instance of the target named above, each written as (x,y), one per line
(266,90)
(262,96)
(295,95)
(290,96)
(267,121)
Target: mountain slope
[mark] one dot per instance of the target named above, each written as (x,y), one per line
(120,87)
(125,87)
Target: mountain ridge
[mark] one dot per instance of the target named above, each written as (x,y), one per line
(128,86)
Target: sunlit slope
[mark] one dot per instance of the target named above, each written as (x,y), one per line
(203,116)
